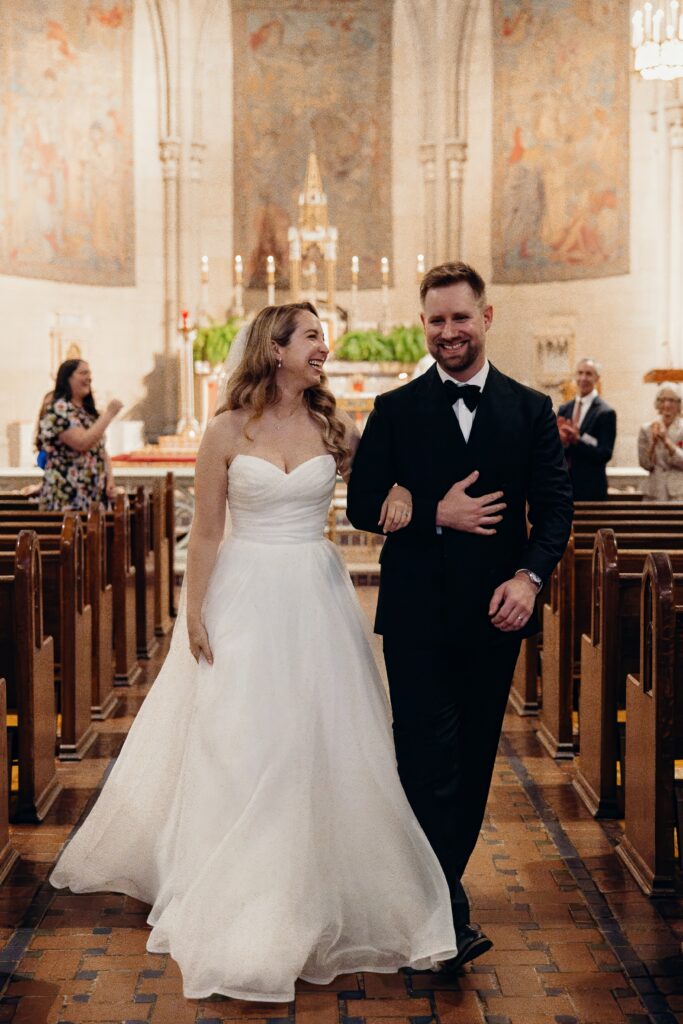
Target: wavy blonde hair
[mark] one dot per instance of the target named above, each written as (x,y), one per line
(254,386)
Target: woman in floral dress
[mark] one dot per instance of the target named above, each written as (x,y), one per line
(70,434)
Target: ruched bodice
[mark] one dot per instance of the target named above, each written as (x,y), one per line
(270,506)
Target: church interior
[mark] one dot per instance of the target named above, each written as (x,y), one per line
(167,169)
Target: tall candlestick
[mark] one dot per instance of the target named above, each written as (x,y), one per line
(353,310)
(238,302)
(420,267)
(270,279)
(203,314)
(385,294)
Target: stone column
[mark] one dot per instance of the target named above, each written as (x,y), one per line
(428,161)
(169,154)
(456,156)
(675,269)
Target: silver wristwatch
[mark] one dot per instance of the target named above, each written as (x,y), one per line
(534,577)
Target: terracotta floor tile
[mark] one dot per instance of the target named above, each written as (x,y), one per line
(459,1008)
(391,1007)
(317,1009)
(519,980)
(385,985)
(597,1008)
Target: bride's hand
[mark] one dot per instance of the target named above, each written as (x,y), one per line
(199,641)
(397,509)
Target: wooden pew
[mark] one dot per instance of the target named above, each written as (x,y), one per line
(27,663)
(609,652)
(122,577)
(67,618)
(160,545)
(170,537)
(98,587)
(8,855)
(143,561)
(566,616)
(654,736)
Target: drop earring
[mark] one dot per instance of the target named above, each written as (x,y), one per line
(279,364)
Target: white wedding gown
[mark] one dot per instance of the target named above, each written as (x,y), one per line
(256,803)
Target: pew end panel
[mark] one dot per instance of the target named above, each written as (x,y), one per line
(127,669)
(160,544)
(654,700)
(101,597)
(8,855)
(555,729)
(78,733)
(27,661)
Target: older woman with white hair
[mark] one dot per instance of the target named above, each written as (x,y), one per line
(660,447)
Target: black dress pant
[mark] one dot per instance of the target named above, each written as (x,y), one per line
(448,696)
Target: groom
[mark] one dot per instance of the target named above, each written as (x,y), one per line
(472,448)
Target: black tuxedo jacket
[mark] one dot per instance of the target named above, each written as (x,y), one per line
(587,463)
(431,582)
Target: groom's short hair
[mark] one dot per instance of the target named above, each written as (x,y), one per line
(453,273)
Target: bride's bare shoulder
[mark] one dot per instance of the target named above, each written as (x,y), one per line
(223,432)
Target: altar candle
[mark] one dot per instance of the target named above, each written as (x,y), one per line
(205,269)
(184,314)
(270,269)
(354,269)
(420,264)
(384,263)
(238,270)
(657,26)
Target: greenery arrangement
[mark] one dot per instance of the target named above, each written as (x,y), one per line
(212,344)
(401,345)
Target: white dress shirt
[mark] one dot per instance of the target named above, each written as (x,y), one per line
(585,404)
(464,415)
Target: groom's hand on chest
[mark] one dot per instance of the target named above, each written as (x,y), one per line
(458,511)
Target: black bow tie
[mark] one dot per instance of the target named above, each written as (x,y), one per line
(469,393)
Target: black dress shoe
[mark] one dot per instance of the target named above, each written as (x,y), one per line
(471,943)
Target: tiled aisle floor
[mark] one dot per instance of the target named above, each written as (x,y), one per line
(574,939)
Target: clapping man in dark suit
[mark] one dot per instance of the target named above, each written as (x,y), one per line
(465,450)
(588,428)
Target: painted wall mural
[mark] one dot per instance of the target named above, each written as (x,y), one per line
(66,163)
(312,72)
(561,136)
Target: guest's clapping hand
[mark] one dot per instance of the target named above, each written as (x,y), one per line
(569,433)
(397,509)
(459,511)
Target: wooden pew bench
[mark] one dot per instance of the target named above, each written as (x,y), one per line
(654,735)
(120,576)
(27,663)
(99,591)
(566,616)
(67,617)
(609,652)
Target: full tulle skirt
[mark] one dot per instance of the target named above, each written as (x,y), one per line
(256,803)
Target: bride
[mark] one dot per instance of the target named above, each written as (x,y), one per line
(256,803)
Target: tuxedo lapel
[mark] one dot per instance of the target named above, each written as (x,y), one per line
(488,428)
(591,416)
